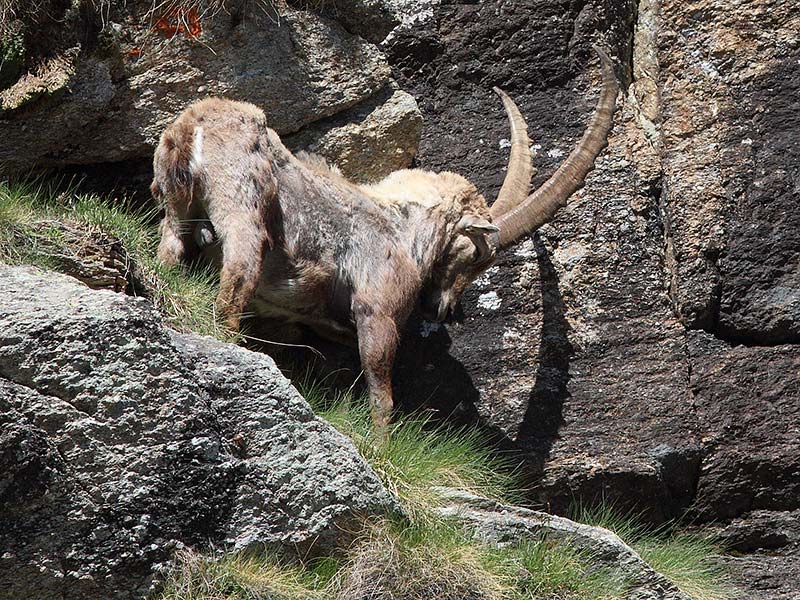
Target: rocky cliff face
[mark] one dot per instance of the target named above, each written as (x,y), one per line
(643,347)
(103,87)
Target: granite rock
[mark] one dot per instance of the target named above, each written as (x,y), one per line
(121,441)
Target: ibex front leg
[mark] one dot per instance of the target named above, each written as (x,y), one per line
(244,239)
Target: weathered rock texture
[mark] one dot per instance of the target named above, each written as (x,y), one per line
(578,349)
(730,156)
(375,20)
(501,524)
(767,564)
(120,86)
(368,141)
(120,440)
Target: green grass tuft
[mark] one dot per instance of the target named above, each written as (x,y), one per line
(628,525)
(443,560)
(42,226)
(420,561)
(402,561)
(691,562)
(251,576)
(688,560)
(544,569)
(416,458)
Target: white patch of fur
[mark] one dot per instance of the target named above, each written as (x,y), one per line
(197,150)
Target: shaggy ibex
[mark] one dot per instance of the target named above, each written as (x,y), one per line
(300,242)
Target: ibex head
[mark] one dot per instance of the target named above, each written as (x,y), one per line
(466,253)
(482,231)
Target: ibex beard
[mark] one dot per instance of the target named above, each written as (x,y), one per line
(301,243)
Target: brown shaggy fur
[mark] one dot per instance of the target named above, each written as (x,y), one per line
(301,243)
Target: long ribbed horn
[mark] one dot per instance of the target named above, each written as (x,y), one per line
(542,205)
(517,184)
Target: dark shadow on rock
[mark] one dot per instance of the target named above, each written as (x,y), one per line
(426,378)
(122,181)
(429,378)
(544,415)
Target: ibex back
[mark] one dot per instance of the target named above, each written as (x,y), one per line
(300,242)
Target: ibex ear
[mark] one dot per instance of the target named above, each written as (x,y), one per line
(472,225)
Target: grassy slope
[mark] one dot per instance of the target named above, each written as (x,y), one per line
(33,217)
(426,557)
(421,557)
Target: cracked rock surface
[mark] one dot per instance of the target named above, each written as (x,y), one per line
(130,80)
(643,347)
(121,440)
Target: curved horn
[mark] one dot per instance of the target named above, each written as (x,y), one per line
(517,183)
(542,205)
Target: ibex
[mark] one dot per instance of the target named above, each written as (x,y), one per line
(301,243)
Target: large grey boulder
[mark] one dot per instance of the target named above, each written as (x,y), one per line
(121,440)
(368,141)
(116,93)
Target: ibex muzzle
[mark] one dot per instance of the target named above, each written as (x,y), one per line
(301,243)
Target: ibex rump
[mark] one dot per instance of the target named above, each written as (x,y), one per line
(301,243)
